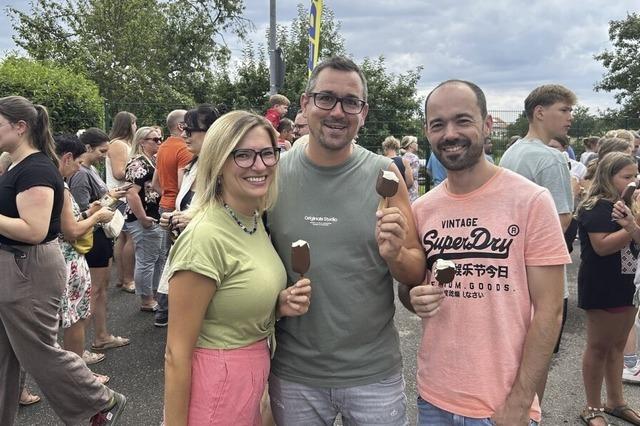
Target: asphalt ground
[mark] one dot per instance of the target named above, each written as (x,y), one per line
(137,370)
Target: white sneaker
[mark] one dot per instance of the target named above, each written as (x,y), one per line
(631,375)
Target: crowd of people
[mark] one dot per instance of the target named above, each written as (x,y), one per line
(201,226)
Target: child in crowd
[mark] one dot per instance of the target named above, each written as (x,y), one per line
(609,234)
(279,107)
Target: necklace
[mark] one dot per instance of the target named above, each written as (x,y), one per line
(239,222)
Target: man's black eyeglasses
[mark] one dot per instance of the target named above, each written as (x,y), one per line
(246,158)
(188,131)
(327,101)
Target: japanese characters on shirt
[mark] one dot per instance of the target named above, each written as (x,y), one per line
(473,242)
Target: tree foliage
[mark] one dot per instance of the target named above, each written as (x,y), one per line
(72,100)
(623,64)
(147,54)
(394,107)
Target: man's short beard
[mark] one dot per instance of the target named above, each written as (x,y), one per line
(469,159)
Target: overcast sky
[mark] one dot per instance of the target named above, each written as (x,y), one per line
(506,47)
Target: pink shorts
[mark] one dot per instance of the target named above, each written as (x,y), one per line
(227,385)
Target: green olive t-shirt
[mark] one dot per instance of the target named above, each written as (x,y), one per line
(246,269)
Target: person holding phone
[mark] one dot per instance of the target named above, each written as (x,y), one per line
(86,187)
(34,276)
(143,215)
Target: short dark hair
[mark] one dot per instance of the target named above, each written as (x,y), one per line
(285,125)
(547,95)
(66,142)
(481,100)
(201,117)
(93,137)
(339,63)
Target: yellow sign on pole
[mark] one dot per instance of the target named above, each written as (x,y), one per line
(315,17)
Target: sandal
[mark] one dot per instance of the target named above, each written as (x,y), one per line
(91,358)
(113,342)
(624,412)
(129,287)
(27,398)
(151,308)
(101,378)
(591,413)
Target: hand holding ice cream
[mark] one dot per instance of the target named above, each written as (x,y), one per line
(294,300)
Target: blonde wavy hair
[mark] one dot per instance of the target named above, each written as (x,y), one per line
(627,135)
(390,143)
(602,187)
(223,136)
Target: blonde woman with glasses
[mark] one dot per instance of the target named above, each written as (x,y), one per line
(226,281)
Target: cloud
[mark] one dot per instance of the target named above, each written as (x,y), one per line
(507,47)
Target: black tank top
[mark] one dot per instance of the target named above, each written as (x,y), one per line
(400,165)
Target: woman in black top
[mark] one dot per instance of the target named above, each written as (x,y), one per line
(391,146)
(34,274)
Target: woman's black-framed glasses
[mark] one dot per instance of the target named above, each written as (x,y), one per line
(246,158)
(327,101)
(156,140)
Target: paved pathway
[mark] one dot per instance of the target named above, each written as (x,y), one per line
(137,370)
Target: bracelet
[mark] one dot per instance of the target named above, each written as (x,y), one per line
(84,214)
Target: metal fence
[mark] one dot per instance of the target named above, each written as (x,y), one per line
(506,123)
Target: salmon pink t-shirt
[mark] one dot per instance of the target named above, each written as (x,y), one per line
(471,349)
(172,156)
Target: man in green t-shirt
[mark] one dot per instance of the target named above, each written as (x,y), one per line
(342,356)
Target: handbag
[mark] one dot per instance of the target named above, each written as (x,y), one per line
(113,228)
(83,244)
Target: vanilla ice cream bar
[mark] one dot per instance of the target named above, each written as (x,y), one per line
(444,271)
(300,258)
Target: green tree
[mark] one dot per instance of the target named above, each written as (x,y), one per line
(519,127)
(72,100)
(394,107)
(623,64)
(294,41)
(146,55)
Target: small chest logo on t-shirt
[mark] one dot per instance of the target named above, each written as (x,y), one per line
(321,220)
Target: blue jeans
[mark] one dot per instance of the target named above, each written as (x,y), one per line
(382,403)
(150,256)
(430,415)
(162,313)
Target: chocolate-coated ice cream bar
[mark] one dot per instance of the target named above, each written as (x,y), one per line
(386,186)
(300,259)
(627,194)
(444,271)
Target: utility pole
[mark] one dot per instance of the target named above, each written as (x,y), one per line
(272,48)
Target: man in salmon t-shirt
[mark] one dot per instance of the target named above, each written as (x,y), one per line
(488,335)
(171,160)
